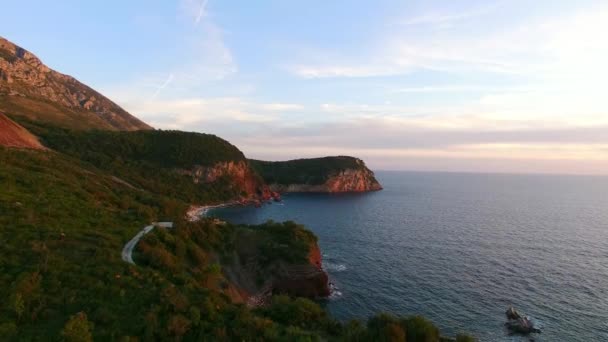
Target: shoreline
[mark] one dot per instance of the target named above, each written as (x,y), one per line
(196,212)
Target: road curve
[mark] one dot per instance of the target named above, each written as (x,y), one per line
(127,251)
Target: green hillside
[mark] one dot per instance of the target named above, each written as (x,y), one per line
(63,223)
(147,159)
(312,171)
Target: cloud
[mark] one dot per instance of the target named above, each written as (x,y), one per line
(443,18)
(205,114)
(201,11)
(201,58)
(457,88)
(282,107)
(331,71)
(396,144)
(555,46)
(193,9)
(163,86)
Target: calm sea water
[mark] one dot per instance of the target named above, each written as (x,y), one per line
(461,248)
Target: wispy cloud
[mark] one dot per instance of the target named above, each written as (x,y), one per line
(205,113)
(202,58)
(457,88)
(554,46)
(195,10)
(162,86)
(388,142)
(201,12)
(443,17)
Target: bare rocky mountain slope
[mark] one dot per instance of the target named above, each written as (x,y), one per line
(31,89)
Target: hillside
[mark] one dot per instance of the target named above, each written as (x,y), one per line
(194,167)
(63,223)
(31,89)
(328,174)
(13,135)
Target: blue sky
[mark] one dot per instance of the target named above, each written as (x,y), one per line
(499,86)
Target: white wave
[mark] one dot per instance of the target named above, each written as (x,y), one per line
(331,267)
(334,291)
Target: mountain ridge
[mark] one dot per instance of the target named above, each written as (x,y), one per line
(30,88)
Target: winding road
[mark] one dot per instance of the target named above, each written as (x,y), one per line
(127,251)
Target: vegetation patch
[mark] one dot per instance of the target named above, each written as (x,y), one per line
(304,171)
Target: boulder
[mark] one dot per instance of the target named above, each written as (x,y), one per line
(518,323)
(522,325)
(512,314)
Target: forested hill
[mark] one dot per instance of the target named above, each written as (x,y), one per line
(167,149)
(327,174)
(194,167)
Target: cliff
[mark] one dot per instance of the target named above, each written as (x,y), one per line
(277,258)
(14,135)
(237,174)
(31,89)
(329,174)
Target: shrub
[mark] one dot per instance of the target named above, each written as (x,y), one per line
(77,329)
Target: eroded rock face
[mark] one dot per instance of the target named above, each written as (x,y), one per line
(308,281)
(304,281)
(237,173)
(25,79)
(349,180)
(14,135)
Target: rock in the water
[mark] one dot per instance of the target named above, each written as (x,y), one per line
(518,323)
(512,314)
(522,326)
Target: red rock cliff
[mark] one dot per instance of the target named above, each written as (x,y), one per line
(308,281)
(238,174)
(349,180)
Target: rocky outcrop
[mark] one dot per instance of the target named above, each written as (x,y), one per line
(30,88)
(237,174)
(306,279)
(14,135)
(327,174)
(302,281)
(349,180)
(518,323)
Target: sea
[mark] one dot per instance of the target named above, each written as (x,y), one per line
(460,248)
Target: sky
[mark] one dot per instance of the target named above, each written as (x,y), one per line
(475,86)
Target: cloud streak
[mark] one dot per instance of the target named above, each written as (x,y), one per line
(443,18)
(201,12)
(162,86)
(553,46)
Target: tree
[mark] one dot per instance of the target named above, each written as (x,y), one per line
(77,329)
(195,315)
(8,330)
(18,305)
(178,325)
